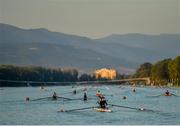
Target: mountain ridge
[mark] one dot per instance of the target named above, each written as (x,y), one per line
(117,51)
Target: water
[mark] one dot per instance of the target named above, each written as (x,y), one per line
(15,110)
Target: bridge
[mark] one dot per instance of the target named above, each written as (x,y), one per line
(136,80)
(146,80)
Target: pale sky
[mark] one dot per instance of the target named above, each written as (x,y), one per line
(94,18)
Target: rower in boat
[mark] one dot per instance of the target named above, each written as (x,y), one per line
(124,97)
(27,99)
(167,93)
(74,91)
(102,103)
(85,96)
(54,97)
(134,90)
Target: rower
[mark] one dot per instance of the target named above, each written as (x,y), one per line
(27,99)
(167,93)
(74,92)
(102,102)
(134,90)
(85,96)
(124,97)
(54,96)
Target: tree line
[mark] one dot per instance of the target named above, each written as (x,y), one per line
(164,72)
(33,73)
(41,74)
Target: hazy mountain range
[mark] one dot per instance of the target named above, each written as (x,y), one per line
(42,47)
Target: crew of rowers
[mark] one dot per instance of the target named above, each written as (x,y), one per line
(102,101)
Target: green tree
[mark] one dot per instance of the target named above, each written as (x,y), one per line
(174,70)
(144,70)
(160,73)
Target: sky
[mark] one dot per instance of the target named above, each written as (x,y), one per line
(94,18)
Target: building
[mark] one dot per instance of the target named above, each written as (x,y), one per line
(106,73)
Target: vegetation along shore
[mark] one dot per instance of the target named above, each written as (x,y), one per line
(162,73)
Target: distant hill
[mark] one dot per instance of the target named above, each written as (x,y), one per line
(43,47)
(142,48)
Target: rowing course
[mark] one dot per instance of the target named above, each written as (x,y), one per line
(14,110)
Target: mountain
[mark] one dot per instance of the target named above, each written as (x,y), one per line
(140,47)
(46,48)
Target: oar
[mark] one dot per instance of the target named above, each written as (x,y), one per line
(77,109)
(175,95)
(156,95)
(109,95)
(164,95)
(67,92)
(40,98)
(52,98)
(65,98)
(79,99)
(140,109)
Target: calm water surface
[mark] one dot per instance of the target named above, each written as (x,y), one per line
(15,110)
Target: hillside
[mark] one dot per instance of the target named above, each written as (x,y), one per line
(46,48)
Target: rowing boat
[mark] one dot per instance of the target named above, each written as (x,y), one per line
(102,110)
(167,94)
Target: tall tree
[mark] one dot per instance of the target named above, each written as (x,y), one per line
(144,70)
(174,70)
(160,71)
